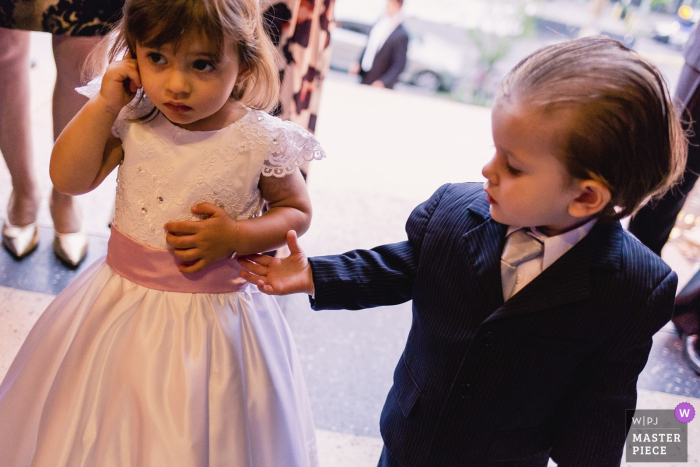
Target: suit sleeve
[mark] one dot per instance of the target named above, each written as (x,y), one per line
(378,277)
(592,426)
(398,62)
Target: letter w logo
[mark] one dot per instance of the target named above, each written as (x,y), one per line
(685,413)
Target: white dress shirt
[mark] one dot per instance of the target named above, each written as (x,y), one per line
(554,248)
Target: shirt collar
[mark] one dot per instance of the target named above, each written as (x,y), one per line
(556,246)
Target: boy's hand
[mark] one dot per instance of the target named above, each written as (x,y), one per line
(119,84)
(275,276)
(200,243)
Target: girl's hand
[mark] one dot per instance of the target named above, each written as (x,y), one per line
(119,84)
(200,243)
(275,276)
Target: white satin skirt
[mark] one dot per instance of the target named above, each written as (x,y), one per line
(115,374)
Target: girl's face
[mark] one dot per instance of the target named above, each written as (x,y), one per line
(188,85)
(527,184)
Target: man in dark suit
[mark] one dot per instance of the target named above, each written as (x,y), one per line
(654,222)
(384,58)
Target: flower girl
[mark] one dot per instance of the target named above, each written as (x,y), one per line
(160,354)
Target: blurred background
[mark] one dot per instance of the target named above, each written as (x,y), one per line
(460,49)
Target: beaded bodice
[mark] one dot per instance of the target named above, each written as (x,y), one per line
(167,170)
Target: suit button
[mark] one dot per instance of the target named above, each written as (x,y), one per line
(488,339)
(465,391)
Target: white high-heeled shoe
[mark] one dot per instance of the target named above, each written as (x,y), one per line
(70,248)
(20,241)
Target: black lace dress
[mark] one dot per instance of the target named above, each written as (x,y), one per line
(61,17)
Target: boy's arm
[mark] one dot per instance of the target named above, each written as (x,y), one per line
(378,277)
(299,274)
(357,279)
(592,429)
(364,278)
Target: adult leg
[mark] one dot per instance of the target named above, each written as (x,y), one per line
(15,126)
(653,223)
(686,317)
(70,241)
(20,234)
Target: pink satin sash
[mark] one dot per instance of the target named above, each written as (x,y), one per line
(157,269)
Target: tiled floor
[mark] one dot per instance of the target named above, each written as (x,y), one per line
(362,194)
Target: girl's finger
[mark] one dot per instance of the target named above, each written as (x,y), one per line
(196,267)
(131,73)
(183,227)
(208,209)
(181,242)
(191,254)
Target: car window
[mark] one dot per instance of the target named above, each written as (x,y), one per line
(354,27)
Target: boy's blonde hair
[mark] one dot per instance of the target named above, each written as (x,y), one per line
(625,131)
(154,23)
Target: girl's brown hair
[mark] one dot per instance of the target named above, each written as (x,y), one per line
(154,23)
(624,130)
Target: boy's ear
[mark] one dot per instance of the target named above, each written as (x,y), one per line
(592,198)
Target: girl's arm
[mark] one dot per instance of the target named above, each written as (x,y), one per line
(200,243)
(86,151)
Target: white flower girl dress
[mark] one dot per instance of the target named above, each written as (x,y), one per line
(136,364)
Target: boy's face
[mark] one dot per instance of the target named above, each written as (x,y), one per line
(527,184)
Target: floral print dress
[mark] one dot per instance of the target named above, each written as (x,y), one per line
(301,31)
(61,17)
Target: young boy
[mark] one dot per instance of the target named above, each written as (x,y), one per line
(533,310)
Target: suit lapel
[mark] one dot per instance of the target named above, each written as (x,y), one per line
(568,279)
(483,246)
(387,42)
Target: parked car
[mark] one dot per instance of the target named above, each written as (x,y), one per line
(433,63)
(676,33)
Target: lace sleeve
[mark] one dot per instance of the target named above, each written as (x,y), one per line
(289,146)
(91,89)
(139,106)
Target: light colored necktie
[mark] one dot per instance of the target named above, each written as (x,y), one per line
(520,248)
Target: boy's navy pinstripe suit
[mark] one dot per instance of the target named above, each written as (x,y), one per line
(487,383)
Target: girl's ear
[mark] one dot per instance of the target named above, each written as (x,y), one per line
(243,74)
(592,198)
(239,88)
